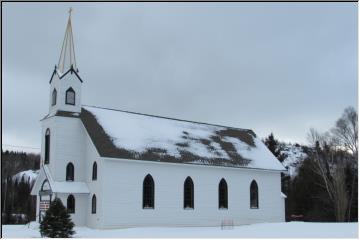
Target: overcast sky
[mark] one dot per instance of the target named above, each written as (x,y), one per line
(270,67)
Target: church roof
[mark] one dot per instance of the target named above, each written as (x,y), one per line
(129,135)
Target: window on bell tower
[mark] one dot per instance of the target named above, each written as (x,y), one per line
(53,99)
(70,96)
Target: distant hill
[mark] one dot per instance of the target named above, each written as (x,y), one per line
(15,162)
(293,155)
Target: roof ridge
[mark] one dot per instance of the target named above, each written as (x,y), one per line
(169,118)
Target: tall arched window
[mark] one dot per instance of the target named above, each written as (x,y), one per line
(223,194)
(254,195)
(94,171)
(70,96)
(93,204)
(53,98)
(188,193)
(70,172)
(148,192)
(47,146)
(71,204)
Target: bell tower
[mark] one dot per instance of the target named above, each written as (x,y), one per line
(65,82)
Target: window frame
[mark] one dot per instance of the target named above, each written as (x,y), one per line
(70,201)
(223,195)
(93,204)
(188,194)
(148,192)
(70,172)
(53,97)
(94,171)
(254,193)
(47,147)
(70,90)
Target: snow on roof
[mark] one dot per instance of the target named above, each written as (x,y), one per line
(65,186)
(70,187)
(128,135)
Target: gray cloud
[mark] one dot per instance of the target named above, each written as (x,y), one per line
(280,67)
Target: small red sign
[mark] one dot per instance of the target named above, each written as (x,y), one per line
(44,205)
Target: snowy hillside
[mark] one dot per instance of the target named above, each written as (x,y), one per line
(294,155)
(29,176)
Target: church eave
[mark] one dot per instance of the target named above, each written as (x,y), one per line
(71,70)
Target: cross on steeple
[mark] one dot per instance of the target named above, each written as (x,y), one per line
(67,58)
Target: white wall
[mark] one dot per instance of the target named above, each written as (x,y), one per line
(81,207)
(122,195)
(95,186)
(67,137)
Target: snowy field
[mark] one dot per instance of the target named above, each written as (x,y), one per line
(264,230)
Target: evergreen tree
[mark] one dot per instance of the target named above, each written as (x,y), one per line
(57,222)
(272,144)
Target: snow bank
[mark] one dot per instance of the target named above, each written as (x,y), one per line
(263,230)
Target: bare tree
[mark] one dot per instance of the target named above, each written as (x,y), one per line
(328,165)
(346,130)
(330,158)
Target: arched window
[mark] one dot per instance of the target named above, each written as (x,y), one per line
(45,186)
(53,98)
(47,146)
(70,96)
(223,194)
(93,204)
(94,171)
(70,172)
(188,193)
(254,195)
(148,192)
(71,204)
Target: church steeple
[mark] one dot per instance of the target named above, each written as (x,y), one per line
(67,58)
(65,82)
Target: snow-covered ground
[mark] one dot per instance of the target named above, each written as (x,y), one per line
(263,230)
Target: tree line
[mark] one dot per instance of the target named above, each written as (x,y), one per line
(17,204)
(325,187)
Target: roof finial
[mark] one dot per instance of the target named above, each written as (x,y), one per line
(70,10)
(67,56)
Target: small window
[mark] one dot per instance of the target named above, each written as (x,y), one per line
(223,194)
(93,204)
(94,171)
(71,204)
(70,96)
(148,192)
(53,99)
(188,193)
(70,172)
(47,146)
(254,195)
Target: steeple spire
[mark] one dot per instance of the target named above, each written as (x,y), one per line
(67,56)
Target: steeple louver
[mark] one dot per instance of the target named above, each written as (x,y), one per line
(67,58)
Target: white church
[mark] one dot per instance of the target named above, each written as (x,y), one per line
(113,168)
